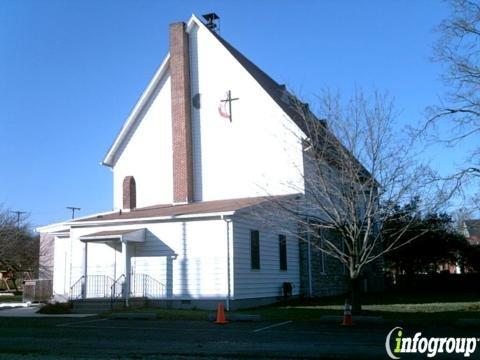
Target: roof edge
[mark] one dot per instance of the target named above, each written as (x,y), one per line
(254,71)
(109,159)
(152,219)
(57,227)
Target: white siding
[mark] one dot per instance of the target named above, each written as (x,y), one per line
(197,252)
(155,266)
(68,264)
(198,249)
(147,155)
(267,281)
(104,259)
(259,152)
(61,282)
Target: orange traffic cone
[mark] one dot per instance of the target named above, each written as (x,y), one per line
(347,315)
(221,319)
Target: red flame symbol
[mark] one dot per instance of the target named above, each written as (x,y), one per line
(222,110)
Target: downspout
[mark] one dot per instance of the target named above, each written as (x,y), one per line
(71,267)
(227,300)
(85,271)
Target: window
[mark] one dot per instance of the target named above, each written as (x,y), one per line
(282,245)
(255,249)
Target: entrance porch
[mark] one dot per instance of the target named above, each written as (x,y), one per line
(108,270)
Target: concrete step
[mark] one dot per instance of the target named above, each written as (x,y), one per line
(95,306)
(108,300)
(93,310)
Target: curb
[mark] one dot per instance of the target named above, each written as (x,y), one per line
(237,317)
(331,319)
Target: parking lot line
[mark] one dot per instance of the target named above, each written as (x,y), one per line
(80,322)
(273,326)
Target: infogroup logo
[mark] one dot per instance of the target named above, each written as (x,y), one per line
(432,346)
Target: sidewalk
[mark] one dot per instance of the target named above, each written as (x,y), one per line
(31,311)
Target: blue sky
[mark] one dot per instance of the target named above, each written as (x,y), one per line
(70,72)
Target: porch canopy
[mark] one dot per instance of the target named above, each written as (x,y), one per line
(124,236)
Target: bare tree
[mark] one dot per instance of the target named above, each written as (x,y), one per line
(458,49)
(357,170)
(18,246)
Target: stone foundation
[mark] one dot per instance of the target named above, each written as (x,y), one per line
(330,276)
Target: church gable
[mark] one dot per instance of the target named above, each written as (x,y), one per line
(137,113)
(258,152)
(145,153)
(181,142)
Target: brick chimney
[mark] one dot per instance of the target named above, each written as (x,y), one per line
(129,193)
(181,114)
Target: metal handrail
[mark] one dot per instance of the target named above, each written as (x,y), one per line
(155,289)
(113,288)
(104,286)
(98,285)
(74,286)
(147,286)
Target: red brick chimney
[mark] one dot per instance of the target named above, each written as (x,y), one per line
(181,114)
(129,193)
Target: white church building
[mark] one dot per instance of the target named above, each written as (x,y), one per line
(211,141)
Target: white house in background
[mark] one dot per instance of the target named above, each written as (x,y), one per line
(190,179)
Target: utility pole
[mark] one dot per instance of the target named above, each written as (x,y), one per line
(73,208)
(19,213)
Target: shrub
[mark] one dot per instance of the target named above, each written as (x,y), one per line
(56,308)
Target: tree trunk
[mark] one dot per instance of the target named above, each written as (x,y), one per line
(354,295)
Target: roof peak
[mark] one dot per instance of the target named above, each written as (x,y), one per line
(278,92)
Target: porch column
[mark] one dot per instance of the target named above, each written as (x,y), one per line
(126,262)
(85,272)
(169,283)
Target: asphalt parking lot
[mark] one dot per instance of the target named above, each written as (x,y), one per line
(60,338)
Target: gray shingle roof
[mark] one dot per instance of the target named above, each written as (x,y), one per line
(172,210)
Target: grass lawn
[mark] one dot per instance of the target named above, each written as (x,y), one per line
(420,307)
(411,308)
(14,298)
(171,314)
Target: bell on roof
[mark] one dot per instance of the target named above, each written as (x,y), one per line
(211,19)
